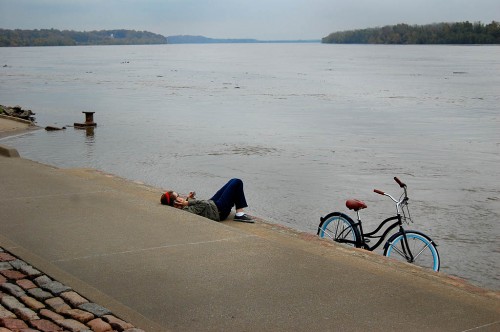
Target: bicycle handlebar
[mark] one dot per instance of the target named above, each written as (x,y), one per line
(401,184)
(402,199)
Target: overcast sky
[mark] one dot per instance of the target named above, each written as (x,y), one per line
(260,19)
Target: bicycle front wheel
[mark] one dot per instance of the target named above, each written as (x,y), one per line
(339,228)
(421,250)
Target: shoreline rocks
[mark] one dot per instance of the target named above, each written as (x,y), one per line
(18,112)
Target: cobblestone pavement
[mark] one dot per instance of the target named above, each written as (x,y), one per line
(32,301)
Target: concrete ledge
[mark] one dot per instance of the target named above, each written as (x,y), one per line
(8,152)
(162,269)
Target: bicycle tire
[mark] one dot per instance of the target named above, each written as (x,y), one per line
(339,228)
(421,246)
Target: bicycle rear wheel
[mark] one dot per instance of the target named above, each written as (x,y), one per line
(422,248)
(339,228)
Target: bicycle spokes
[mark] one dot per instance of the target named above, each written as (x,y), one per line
(425,246)
(340,231)
(404,252)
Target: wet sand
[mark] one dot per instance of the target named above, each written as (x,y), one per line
(10,127)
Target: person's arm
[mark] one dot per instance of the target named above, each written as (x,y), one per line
(182,201)
(199,207)
(189,196)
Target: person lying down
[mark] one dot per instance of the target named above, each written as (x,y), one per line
(216,208)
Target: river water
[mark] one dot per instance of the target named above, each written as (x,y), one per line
(306,126)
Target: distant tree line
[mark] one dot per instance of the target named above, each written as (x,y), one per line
(53,37)
(439,33)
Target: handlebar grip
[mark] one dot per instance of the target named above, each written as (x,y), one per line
(380,192)
(401,184)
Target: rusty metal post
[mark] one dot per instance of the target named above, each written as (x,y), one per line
(89,121)
(89,118)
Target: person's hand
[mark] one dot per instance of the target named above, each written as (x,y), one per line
(191,194)
(181,201)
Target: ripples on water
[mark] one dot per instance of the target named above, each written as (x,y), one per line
(305,126)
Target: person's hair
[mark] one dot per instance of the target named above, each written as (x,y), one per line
(167,199)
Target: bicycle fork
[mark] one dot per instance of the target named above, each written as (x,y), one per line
(406,247)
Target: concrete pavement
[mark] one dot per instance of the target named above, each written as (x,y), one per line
(163,269)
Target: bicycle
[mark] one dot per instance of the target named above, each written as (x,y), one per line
(407,245)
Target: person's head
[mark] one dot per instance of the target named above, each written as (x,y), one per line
(169,198)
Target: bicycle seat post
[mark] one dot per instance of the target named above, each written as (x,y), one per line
(357,215)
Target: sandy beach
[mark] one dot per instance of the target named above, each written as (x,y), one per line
(9,127)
